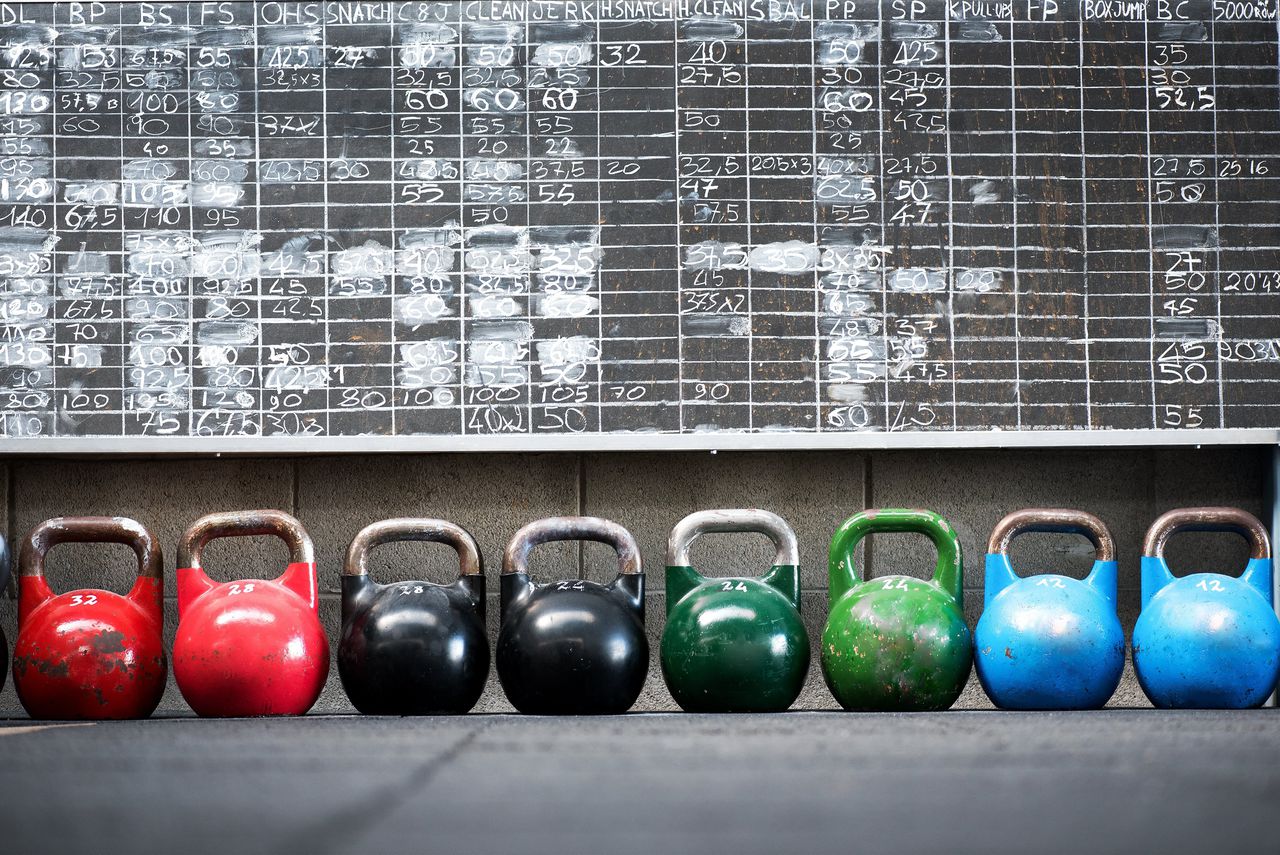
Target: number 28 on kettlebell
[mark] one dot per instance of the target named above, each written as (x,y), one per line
(1049,642)
(89,654)
(255,646)
(896,642)
(734,644)
(1207,640)
(412,648)
(572,646)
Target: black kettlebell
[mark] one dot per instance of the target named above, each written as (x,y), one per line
(413,648)
(572,647)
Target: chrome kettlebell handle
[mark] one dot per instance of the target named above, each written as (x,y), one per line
(515,559)
(245,524)
(51,532)
(1236,520)
(751,520)
(417,529)
(1053,521)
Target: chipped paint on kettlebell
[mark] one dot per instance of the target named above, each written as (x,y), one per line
(896,642)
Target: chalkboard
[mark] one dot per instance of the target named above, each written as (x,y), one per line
(637,223)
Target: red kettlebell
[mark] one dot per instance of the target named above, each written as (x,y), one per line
(251,647)
(89,654)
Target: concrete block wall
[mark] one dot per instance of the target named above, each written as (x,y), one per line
(493,495)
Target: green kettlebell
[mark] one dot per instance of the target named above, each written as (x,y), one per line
(897,642)
(734,644)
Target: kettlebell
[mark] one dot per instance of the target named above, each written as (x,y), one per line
(734,644)
(1049,642)
(251,647)
(1208,640)
(89,654)
(897,642)
(572,647)
(413,648)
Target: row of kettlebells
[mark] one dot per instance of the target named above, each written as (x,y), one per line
(256,647)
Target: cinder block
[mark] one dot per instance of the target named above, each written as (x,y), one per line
(975,489)
(650,493)
(491,496)
(165,496)
(9,706)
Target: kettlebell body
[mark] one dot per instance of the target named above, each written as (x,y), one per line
(1049,642)
(413,648)
(1208,640)
(896,642)
(572,647)
(734,644)
(253,647)
(90,654)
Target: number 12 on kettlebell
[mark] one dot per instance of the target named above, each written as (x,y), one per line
(896,642)
(736,644)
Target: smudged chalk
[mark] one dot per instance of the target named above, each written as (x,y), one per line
(568,350)
(916,280)
(1184,237)
(227,332)
(977,31)
(297,378)
(826,31)
(788,257)
(1187,329)
(713,326)
(563,55)
(715,255)
(566,305)
(1186,31)
(909,30)
(710,30)
(415,309)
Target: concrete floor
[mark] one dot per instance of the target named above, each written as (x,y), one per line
(983,782)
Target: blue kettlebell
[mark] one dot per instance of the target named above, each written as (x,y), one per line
(1207,641)
(1049,642)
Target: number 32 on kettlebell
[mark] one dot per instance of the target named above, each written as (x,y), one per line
(898,642)
(738,644)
